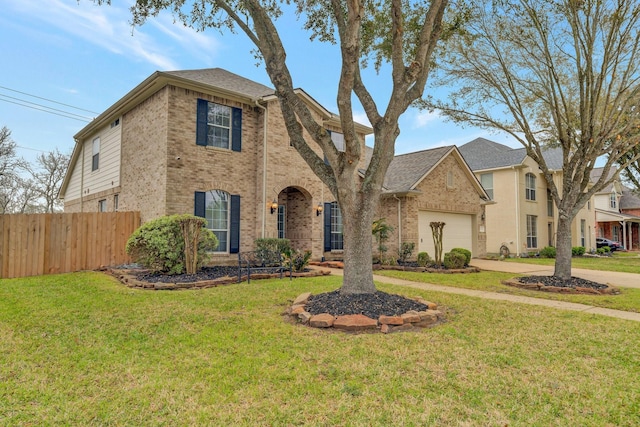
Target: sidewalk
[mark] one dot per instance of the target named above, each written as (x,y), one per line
(561,305)
(623,280)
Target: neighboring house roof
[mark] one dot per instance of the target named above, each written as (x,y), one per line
(407,170)
(595,175)
(483,154)
(629,199)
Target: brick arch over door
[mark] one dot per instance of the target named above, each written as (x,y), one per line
(295,210)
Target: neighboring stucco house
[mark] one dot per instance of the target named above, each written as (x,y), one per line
(617,211)
(213,143)
(524,216)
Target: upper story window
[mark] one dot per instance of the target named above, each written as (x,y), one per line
(95,154)
(338,141)
(613,200)
(486,180)
(530,186)
(450,179)
(218,126)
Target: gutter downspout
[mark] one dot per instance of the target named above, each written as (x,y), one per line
(264,167)
(399,221)
(517,209)
(82,181)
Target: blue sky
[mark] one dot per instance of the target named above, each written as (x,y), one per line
(88,57)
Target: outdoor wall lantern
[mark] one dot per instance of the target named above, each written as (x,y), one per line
(318,209)
(273,206)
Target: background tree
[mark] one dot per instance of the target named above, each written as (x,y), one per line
(552,73)
(47,176)
(403,33)
(10,168)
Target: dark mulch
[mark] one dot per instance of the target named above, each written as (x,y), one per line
(206,273)
(370,305)
(555,281)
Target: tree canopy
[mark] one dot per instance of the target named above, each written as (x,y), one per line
(402,34)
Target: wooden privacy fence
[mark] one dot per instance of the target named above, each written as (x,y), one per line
(35,244)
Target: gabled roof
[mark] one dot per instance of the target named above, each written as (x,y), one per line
(407,170)
(629,199)
(223,79)
(483,154)
(595,175)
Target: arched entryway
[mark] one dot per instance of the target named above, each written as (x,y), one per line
(294,221)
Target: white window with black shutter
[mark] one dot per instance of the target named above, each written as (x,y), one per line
(218,126)
(222,212)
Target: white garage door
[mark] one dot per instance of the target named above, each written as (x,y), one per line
(457,232)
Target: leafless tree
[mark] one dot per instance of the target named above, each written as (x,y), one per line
(552,73)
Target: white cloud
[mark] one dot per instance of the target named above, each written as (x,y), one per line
(423,118)
(109,28)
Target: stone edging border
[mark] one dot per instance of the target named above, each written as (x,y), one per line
(128,279)
(408,321)
(610,290)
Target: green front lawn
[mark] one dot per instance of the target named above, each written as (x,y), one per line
(490,281)
(81,349)
(624,262)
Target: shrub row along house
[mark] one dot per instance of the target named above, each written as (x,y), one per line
(213,143)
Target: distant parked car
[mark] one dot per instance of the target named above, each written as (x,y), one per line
(614,246)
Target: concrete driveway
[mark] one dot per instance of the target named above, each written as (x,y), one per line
(626,280)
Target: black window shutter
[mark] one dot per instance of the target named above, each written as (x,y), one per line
(201,122)
(234,225)
(327,227)
(199,205)
(236,129)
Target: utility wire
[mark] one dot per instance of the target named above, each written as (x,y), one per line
(49,110)
(48,100)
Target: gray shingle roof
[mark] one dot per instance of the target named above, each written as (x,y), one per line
(485,154)
(596,173)
(224,79)
(629,199)
(406,170)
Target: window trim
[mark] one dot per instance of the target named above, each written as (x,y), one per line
(532,231)
(530,187)
(337,237)
(208,195)
(95,154)
(488,190)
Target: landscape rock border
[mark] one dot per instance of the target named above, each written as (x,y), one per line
(409,321)
(538,286)
(340,264)
(129,279)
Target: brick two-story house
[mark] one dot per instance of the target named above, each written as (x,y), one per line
(617,211)
(213,143)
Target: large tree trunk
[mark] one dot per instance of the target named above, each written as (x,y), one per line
(563,248)
(357,216)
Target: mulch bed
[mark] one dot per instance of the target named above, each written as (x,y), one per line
(370,305)
(574,285)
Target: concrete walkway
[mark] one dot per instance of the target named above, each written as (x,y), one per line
(561,305)
(623,280)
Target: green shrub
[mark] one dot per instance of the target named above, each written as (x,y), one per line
(606,249)
(578,250)
(405,251)
(423,259)
(454,260)
(159,245)
(548,252)
(297,259)
(282,246)
(465,252)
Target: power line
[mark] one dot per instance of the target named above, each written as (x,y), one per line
(48,100)
(46,109)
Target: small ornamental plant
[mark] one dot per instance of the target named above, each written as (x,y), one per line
(159,244)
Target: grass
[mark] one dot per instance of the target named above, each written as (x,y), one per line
(81,349)
(619,261)
(490,281)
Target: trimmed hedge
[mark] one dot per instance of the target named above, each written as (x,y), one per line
(465,252)
(454,260)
